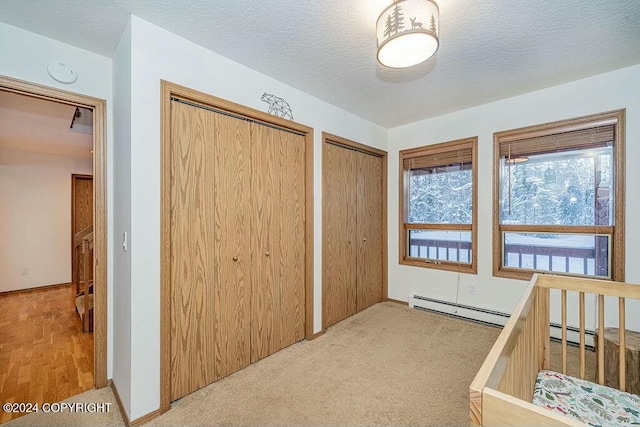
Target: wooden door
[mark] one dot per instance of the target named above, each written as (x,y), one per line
(209,259)
(339,232)
(370,226)
(277,240)
(81,218)
(290,271)
(232,254)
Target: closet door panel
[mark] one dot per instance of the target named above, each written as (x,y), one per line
(193,321)
(339,233)
(237,250)
(291,223)
(265,294)
(232,255)
(369,219)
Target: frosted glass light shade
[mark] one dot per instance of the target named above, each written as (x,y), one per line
(407,33)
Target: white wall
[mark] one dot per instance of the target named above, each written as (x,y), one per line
(158,54)
(122,218)
(614,90)
(35,217)
(25,56)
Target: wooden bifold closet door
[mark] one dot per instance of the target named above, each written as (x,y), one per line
(352,231)
(369,226)
(237,244)
(277,232)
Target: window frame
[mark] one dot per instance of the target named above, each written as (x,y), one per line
(404,227)
(617,230)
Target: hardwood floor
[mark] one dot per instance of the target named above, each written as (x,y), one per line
(44,355)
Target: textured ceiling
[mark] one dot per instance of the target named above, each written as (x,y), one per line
(34,124)
(489,50)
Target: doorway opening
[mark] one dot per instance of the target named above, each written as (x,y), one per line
(50,350)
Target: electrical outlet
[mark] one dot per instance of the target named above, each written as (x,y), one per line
(471,288)
(25,272)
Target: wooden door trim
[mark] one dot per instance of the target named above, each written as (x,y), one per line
(328,138)
(74,264)
(169,90)
(99,206)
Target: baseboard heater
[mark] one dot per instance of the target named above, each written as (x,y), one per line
(491,317)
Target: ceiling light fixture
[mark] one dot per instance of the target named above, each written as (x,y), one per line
(518,159)
(407,33)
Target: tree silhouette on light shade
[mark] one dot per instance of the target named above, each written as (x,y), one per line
(397,19)
(388,27)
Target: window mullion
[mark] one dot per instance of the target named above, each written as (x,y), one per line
(564,229)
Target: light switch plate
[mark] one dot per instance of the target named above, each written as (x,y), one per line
(471,288)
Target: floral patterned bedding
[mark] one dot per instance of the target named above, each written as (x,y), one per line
(590,403)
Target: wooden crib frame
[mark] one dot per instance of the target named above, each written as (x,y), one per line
(502,391)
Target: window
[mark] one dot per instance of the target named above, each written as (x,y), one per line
(560,204)
(438,206)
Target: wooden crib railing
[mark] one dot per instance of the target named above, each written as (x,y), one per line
(601,289)
(502,391)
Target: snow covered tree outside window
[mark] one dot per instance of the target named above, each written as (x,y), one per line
(441,195)
(556,209)
(557,189)
(439,218)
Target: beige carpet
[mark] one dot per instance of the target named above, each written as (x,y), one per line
(388,365)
